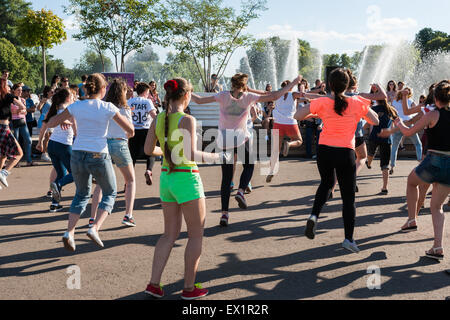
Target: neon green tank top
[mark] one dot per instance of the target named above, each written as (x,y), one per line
(174,139)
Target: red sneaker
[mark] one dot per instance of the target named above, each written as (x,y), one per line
(198,292)
(155,292)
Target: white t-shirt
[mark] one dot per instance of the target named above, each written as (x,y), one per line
(92,117)
(285,110)
(62,136)
(141,108)
(114,130)
(398,105)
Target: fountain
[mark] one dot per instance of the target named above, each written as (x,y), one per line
(291,68)
(272,65)
(249,71)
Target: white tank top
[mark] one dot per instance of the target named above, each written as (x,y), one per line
(285,110)
(62,136)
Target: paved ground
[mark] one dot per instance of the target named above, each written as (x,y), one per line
(261,255)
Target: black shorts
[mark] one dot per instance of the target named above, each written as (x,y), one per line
(359,141)
(385,152)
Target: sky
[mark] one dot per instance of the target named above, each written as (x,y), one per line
(331,26)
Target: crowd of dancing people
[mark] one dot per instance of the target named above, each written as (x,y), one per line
(87,128)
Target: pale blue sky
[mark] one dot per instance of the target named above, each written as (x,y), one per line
(331,26)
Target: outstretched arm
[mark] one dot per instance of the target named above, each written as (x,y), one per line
(273,96)
(203,100)
(430,119)
(380,93)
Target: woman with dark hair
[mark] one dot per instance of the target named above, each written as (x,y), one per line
(120,154)
(59,146)
(435,168)
(43,107)
(181,188)
(233,134)
(19,123)
(391,91)
(9,146)
(55,83)
(90,157)
(336,153)
(153,95)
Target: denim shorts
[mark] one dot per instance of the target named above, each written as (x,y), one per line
(120,153)
(435,168)
(86,165)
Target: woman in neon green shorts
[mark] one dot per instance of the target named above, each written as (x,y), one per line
(181,187)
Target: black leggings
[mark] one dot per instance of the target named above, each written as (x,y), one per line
(227,175)
(342,160)
(136,145)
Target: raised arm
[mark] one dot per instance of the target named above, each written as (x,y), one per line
(406,110)
(380,93)
(59,119)
(273,96)
(203,100)
(430,119)
(372,117)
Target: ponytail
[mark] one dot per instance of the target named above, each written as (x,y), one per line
(339,82)
(340,104)
(57,100)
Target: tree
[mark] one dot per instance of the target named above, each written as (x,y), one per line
(10,12)
(209,32)
(429,40)
(121,26)
(145,65)
(41,29)
(12,60)
(90,62)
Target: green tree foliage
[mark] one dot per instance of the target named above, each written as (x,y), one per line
(41,29)
(145,65)
(209,32)
(429,40)
(14,61)
(90,62)
(10,12)
(181,65)
(121,26)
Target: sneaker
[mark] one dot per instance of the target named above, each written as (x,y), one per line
(69,242)
(384,191)
(198,292)
(314,157)
(155,292)
(391,172)
(367,165)
(93,235)
(45,157)
(55,191)
(310,231)
(49,194)
(55,207)
(224,220)
(350,246)
(3,175)
(249,188)
(232,186)
(148,177)
(128,221)
(241,200)
(91,223)
(269,178)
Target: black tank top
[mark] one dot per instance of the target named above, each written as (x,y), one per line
(439,135)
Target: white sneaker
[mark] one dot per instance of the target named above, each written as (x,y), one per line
(45,157)
(69,242)
(3,175)
(350,246)
(93,235)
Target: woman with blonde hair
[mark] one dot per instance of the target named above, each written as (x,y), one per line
(90,157)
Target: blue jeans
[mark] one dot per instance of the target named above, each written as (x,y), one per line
(396,138)
(23,132)
(60,154)
(86,165)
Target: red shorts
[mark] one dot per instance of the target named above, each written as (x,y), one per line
(289,130)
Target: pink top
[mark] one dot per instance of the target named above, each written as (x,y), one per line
(15,108)
(233,118)
(339,131)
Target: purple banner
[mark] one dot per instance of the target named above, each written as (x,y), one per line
(128,77)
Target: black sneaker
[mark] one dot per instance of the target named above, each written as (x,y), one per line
(129,222)
(310,231)
(241,200)
(49,194)
(55,207)
(224,221)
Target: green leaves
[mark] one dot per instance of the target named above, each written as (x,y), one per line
(41,29)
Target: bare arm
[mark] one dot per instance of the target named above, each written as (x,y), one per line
(303,113)
(273,96)
(430,119)
(150,147)
(124,124)
(372,117)
(59,119)
(203,100)
(409,111)
(260,92)
(380,93)
(153,113)
(41,136)
(191,152)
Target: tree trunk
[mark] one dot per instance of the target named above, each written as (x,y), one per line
(44,74)
(103,62)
